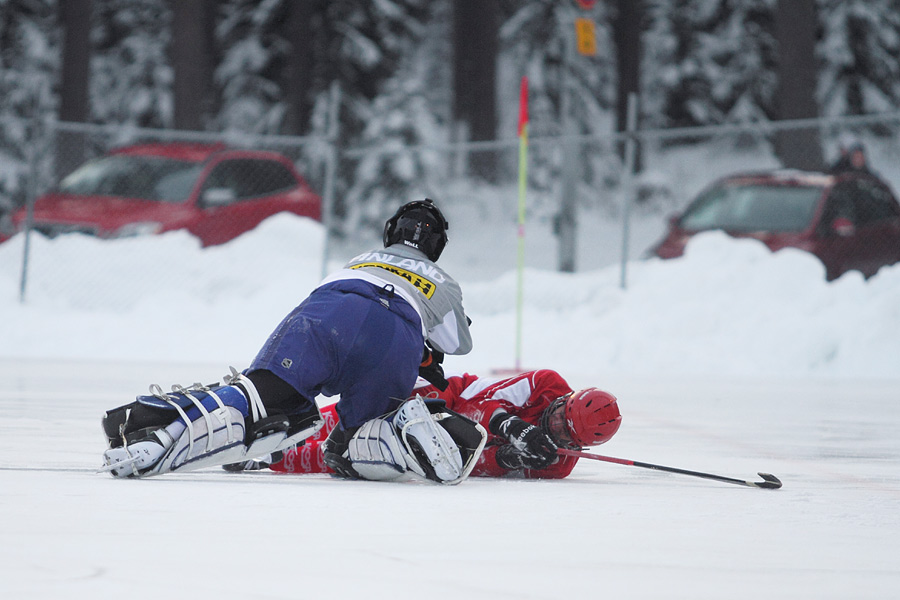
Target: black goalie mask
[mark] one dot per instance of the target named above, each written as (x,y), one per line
(418,224)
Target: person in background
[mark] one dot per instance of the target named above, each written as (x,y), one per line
(852,158)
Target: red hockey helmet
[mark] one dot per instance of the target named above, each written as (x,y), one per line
(587,417)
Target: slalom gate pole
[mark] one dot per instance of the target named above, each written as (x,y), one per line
(523,186)
(770,482)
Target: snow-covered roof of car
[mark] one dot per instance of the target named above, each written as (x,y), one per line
(781,176)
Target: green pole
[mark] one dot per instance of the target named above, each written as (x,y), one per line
(523,186)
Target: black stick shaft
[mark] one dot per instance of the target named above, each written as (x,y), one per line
(770,482)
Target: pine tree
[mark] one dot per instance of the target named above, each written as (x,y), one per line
(408,110)
(247,75)
(358,44)
(131,78)
(28,63)
(709,62)
(861,43)
(538,40)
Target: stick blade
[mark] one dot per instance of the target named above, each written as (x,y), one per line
(770,482)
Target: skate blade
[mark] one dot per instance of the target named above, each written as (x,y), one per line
(115,468)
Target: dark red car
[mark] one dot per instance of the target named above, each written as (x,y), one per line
(850,221)
(215,192)
(6,226)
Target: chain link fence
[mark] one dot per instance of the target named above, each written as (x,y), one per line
(113,182)
(585,210)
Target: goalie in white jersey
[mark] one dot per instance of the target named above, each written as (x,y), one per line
(362,335)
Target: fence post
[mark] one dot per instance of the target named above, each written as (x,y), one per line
(30,196)
(330,171)
(627,180)
(565,221)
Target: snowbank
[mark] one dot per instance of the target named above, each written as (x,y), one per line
(728,307)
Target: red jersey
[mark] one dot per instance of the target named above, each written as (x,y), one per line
(525,395)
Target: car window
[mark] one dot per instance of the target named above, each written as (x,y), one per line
(269,177)
(176,185)
(250,178)
(753,208)
(131,176)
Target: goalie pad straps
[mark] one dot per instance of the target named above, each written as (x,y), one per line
(256,407)
(411,443)
(211,430)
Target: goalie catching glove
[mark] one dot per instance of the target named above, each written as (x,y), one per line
(528,448)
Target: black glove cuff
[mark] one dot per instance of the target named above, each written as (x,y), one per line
(496,421)
(434,375)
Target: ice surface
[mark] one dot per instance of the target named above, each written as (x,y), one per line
(606,531)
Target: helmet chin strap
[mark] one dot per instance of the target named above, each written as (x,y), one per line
(419,224)
(553,424)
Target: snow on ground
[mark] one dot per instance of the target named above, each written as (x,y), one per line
(729,307)
(731,360)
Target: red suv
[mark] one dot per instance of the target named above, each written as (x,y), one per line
(214,192)
(849,221)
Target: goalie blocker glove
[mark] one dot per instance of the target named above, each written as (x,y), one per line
(528,447)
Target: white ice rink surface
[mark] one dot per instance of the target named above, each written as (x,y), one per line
(608,531)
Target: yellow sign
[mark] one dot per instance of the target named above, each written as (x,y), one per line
(585,38)
(420,283)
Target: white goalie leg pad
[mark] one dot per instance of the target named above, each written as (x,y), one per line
(218,437)
(408,444)
(377,454)
(215,436)
(208,442)
(417,427)
(469,452)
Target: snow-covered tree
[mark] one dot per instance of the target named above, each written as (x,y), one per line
(859,50)
(247,75)
(358,44)
(410,109)
(538,40)
(399,124)
(131,77)
(709,62)
(28,62)
(703,62)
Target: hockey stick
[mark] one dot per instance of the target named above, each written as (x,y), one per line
(770,482)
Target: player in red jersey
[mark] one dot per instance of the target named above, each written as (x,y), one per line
(528,416)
